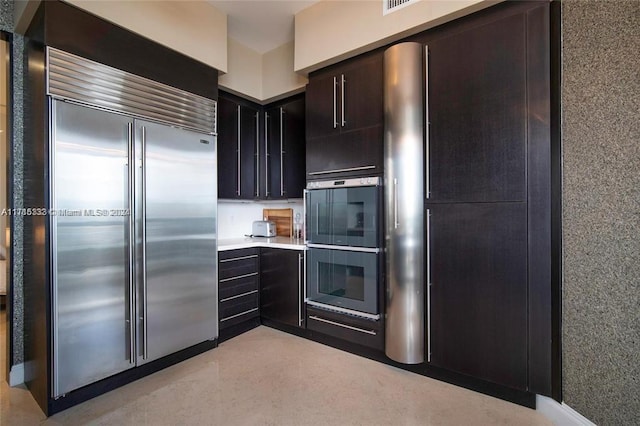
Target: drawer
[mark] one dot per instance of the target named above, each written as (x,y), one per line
(346,327)
(237,285)
(241,264)
(236,309)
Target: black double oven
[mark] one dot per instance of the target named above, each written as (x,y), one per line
(344,240)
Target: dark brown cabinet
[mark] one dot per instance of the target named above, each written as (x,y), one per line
(238,291)
(281,286)
(488,196)
(284,150)
(238,149)
(478,290)
(261,150)
(344,119)
(477,112)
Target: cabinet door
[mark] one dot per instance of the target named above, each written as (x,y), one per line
(357,153)
(280,284)
(228,149)
(273,149)
(249,140)
(361,104)
(293,167)
(478,296)
(477,108)
(322,106)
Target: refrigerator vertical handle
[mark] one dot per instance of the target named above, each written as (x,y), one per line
(266,154)
(257,154)
(300,290)
(335,100)
(342,82)
(130,201)
(428,285)
(281,152)
(238,188)
(395,204)
(53,223)
(144,243)
(427,158)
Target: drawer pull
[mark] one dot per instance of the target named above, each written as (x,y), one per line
(239,315)
(239,295)
(253,274)
(361,330)
(239,258)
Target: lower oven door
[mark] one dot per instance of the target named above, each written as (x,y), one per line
(343,278)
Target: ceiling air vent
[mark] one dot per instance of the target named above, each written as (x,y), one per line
(389,6)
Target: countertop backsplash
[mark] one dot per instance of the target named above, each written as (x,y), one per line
(235,217)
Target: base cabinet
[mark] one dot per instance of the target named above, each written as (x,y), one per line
(479,290)
(349,328)
(238,289)
(281,289)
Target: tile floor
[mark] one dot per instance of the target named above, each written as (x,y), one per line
(266,377)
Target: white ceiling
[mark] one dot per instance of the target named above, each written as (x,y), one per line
(261,25)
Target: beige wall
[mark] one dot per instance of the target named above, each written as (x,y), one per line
(193,28)
(330,30)
(261,77)
(244,74)
(278,77)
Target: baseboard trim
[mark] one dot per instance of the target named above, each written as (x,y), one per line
(560,414)
(16,375)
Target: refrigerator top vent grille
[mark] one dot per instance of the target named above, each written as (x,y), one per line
(389,6)
(74,78)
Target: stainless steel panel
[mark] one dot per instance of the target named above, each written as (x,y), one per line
(181,269)
(404,180)
(73,77)
(90,252)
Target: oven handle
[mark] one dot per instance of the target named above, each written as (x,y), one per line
(345,248)
(338,309)
(361,330)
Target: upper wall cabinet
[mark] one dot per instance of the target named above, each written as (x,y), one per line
(284,148)
(478,113)
(238,149)
(261,150)
(344,119)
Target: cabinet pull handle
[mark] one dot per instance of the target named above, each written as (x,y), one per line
(281,152)
(300,290)
(257,154)
(266,154)
(239,258)
(238,296)
(253,274)
(238,189)
(361,330)
(429,285)
(427,158)
(335,105)
(350,169)
(343,81)
(238,315)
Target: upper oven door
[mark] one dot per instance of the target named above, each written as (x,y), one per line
(344,216)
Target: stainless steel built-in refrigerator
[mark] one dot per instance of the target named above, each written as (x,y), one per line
(132,221)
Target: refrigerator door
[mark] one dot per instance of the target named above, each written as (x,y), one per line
(90,252)
(177,258)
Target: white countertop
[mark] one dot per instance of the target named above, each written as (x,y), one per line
(248,242)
